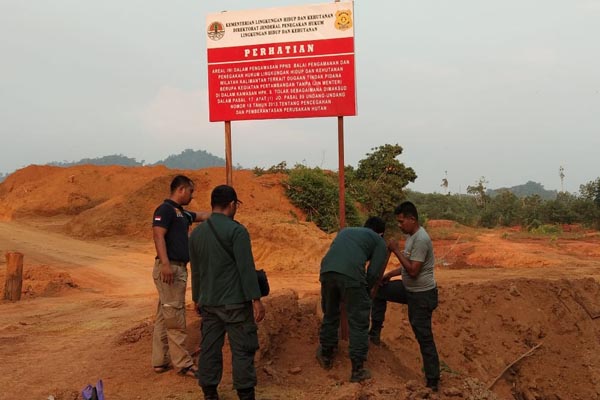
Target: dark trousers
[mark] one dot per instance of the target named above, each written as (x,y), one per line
(335,289)
(237,320)
(420,308)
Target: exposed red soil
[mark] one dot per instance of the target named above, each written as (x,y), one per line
(88,300)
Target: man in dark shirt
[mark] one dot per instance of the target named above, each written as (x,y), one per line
(226,292)
(343,279)
(170,228)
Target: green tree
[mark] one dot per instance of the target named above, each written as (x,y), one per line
(444,183)
(591,191)
(479,192)
(456,207)
(532,211)
(379,181)
(589,206)
(317,193)
(504,209)
(560,210)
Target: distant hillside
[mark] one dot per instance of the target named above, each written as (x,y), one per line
(528,189)
(192,159)
(2,176)
(187,159)
(115,159)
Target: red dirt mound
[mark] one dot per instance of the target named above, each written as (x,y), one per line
(48,191)
(119,201)
(43,281)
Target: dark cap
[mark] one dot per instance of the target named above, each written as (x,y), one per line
(223,195)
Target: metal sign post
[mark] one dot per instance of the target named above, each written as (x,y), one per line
(228,159)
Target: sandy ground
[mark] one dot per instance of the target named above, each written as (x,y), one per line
(88,299)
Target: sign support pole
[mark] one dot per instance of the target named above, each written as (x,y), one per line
(228,163)
(344,330)
(341,172)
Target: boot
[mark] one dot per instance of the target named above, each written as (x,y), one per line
(325,357)
(210,393)
(375,334)
(433,384)
(246,394)
(359,373)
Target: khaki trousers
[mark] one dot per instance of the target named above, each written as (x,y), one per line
(168,339)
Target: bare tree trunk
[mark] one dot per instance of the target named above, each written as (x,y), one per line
(14,276)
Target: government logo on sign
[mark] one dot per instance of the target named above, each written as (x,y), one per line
(343,20)
(215,31)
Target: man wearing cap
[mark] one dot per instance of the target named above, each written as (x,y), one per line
(226,292)
(170,228)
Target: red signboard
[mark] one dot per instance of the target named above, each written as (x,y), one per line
(292,62)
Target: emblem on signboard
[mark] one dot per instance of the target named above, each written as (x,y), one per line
(215,31)
(343,20)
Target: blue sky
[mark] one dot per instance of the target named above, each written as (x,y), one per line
(506,90)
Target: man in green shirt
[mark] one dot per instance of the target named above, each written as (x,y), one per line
(344,279)
(226,292)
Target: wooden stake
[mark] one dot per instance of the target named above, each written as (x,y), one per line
(14,276)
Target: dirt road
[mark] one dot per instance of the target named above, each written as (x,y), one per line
(57,344)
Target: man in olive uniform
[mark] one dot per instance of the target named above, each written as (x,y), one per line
(343,279)
(226,292)
(417,289)
(170,226)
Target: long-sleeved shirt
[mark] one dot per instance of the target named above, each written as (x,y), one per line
(350,251)
(217,279)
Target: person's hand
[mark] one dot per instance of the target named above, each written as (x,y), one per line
(202,216)
(166,273)
(384,279)
(393,245)
(259,310)
(373,291)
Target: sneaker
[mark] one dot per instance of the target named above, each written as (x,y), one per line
(433,384)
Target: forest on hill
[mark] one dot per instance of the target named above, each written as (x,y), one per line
(528,189)
(187,159)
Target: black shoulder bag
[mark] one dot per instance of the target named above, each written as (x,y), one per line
(261,275)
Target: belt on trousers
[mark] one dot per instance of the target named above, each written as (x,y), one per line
(174,262)
(180,263)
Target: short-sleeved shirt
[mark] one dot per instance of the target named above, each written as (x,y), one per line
(350,251)
(176,221)
(419,247)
